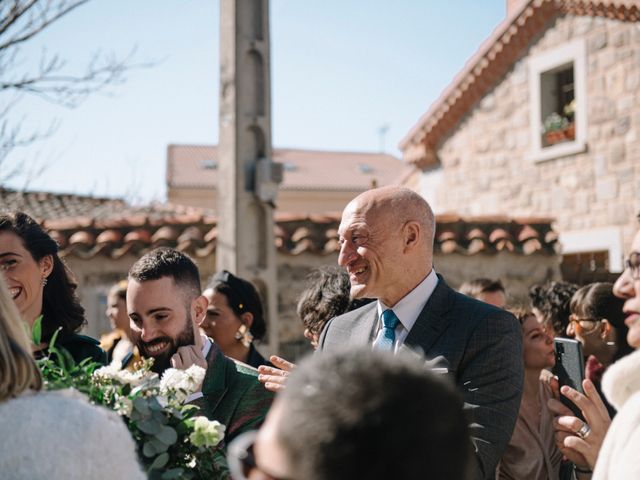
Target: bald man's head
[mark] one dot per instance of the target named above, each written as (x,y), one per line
(387,242)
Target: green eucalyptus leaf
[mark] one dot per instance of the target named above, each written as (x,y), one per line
(167,435)
(173,474)
(160,461)
(36,331)
(150,427)
(159,417)
(148,449)
(155,405)
(140,404)
(158,445)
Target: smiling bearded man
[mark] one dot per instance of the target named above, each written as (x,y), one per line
(165,306)
(386,246)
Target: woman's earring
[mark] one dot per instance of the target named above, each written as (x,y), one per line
(244,335)
(44,281)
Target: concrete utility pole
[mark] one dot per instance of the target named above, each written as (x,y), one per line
(248,179)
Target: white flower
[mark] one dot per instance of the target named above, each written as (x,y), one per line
(123,406)
(206,433)
(111,373)
(182,383)
(106,373)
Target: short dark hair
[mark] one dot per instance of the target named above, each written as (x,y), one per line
(553,301)
(242,297)
(343,408)
(597,301)
(475,287)
(61,307)
(167,262)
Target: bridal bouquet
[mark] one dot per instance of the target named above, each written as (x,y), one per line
(173,441)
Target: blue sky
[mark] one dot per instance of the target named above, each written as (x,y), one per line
(340,70)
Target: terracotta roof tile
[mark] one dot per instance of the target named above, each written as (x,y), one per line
(489,64)
(195,166)
(135,230)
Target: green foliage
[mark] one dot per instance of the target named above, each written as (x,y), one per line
(160,425)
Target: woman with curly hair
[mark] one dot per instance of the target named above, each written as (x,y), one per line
(550,304)
(42,286)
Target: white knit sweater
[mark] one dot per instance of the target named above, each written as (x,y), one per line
(619,457)
(60,435)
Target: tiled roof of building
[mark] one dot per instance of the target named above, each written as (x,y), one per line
(87,227)
(196,166)
(295,234)
(492,60)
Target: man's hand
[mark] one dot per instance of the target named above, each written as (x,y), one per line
(274,379)
(583,451)
(190,354)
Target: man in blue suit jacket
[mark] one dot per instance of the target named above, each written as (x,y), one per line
(386,237)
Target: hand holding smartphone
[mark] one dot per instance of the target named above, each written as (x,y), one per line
(569,369)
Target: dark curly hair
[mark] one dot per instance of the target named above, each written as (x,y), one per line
(60,304)
(553,301)
(326,296)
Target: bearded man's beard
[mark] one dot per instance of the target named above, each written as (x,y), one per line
(162,361)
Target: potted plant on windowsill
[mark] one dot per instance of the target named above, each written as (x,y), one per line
(558,128)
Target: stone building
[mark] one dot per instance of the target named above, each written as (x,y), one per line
(544,120)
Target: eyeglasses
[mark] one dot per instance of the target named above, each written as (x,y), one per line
(242,462)
(587,325)
(633,264)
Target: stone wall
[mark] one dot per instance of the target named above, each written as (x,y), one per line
(484,161)
(518,272)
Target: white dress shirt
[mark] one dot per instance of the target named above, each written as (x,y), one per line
(408,308)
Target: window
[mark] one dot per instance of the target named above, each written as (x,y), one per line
(593,255)
(208,164)
(587,267)
(557,86)
(557,95)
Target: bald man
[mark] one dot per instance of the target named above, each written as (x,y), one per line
(386,238)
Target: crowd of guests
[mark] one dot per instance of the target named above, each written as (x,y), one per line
(410,378)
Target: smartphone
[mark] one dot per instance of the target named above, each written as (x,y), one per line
(569,369)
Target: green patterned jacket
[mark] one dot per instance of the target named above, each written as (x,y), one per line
(233,396)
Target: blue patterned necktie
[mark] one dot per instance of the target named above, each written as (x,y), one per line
(387,336)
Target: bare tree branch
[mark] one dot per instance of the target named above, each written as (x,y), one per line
(37,21)
(20,22)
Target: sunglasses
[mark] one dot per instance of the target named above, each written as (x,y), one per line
(633,264)
(242,461)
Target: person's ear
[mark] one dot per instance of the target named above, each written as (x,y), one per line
(199,308)
(571,332)
(46,266)
(606,329)
(247,319)
(411,234)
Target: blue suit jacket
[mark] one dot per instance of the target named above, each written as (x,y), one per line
(480,345)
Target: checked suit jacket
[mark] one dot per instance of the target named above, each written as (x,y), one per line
(232,395)
(481,348)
